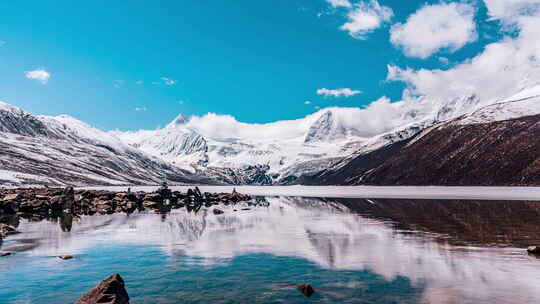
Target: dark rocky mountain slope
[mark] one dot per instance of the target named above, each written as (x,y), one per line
(492,154)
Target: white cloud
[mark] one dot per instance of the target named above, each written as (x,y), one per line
(141,109)
(343,92)
(366,17)
(380,116)
(168,81)
(501,70)
(509,11)
(307,102)
(40,75)
(340,3)
(435,27)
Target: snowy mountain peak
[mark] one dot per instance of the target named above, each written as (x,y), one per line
(181,119)
(457,106)
(324,129)
(9,108)
(17,121)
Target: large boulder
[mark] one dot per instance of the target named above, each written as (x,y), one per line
(110,291)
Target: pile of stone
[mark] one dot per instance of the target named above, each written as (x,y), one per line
(47,201)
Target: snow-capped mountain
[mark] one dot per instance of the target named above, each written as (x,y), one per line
(247,157)
(287,151)
(64,150)
(496,144)
(333,145)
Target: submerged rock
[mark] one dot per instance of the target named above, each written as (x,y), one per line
(534,250)
(110,291)
(306,289)
(65,257)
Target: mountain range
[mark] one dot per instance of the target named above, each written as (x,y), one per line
(462,141)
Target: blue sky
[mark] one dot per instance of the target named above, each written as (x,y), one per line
(131,65)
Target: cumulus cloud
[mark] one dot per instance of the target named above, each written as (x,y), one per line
(40,75)
(307,102)
(435,27)
(225,126)
(343,92)
(510,11)
(141,109)
(340,3)
(366,17)
(501,70)
(380,116)
(168,81)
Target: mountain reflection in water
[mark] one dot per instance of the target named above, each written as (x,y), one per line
(457,251)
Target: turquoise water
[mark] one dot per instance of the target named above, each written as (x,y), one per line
(152,277)
(350,251)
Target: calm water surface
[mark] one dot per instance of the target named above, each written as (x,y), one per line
(350,250)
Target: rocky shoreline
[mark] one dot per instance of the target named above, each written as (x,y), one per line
(46,201)
(52,202)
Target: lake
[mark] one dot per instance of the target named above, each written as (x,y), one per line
(351,250)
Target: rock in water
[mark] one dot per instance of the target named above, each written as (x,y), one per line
(65,257)
(109,291)
(534,249)
(306,289)
(217,211)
